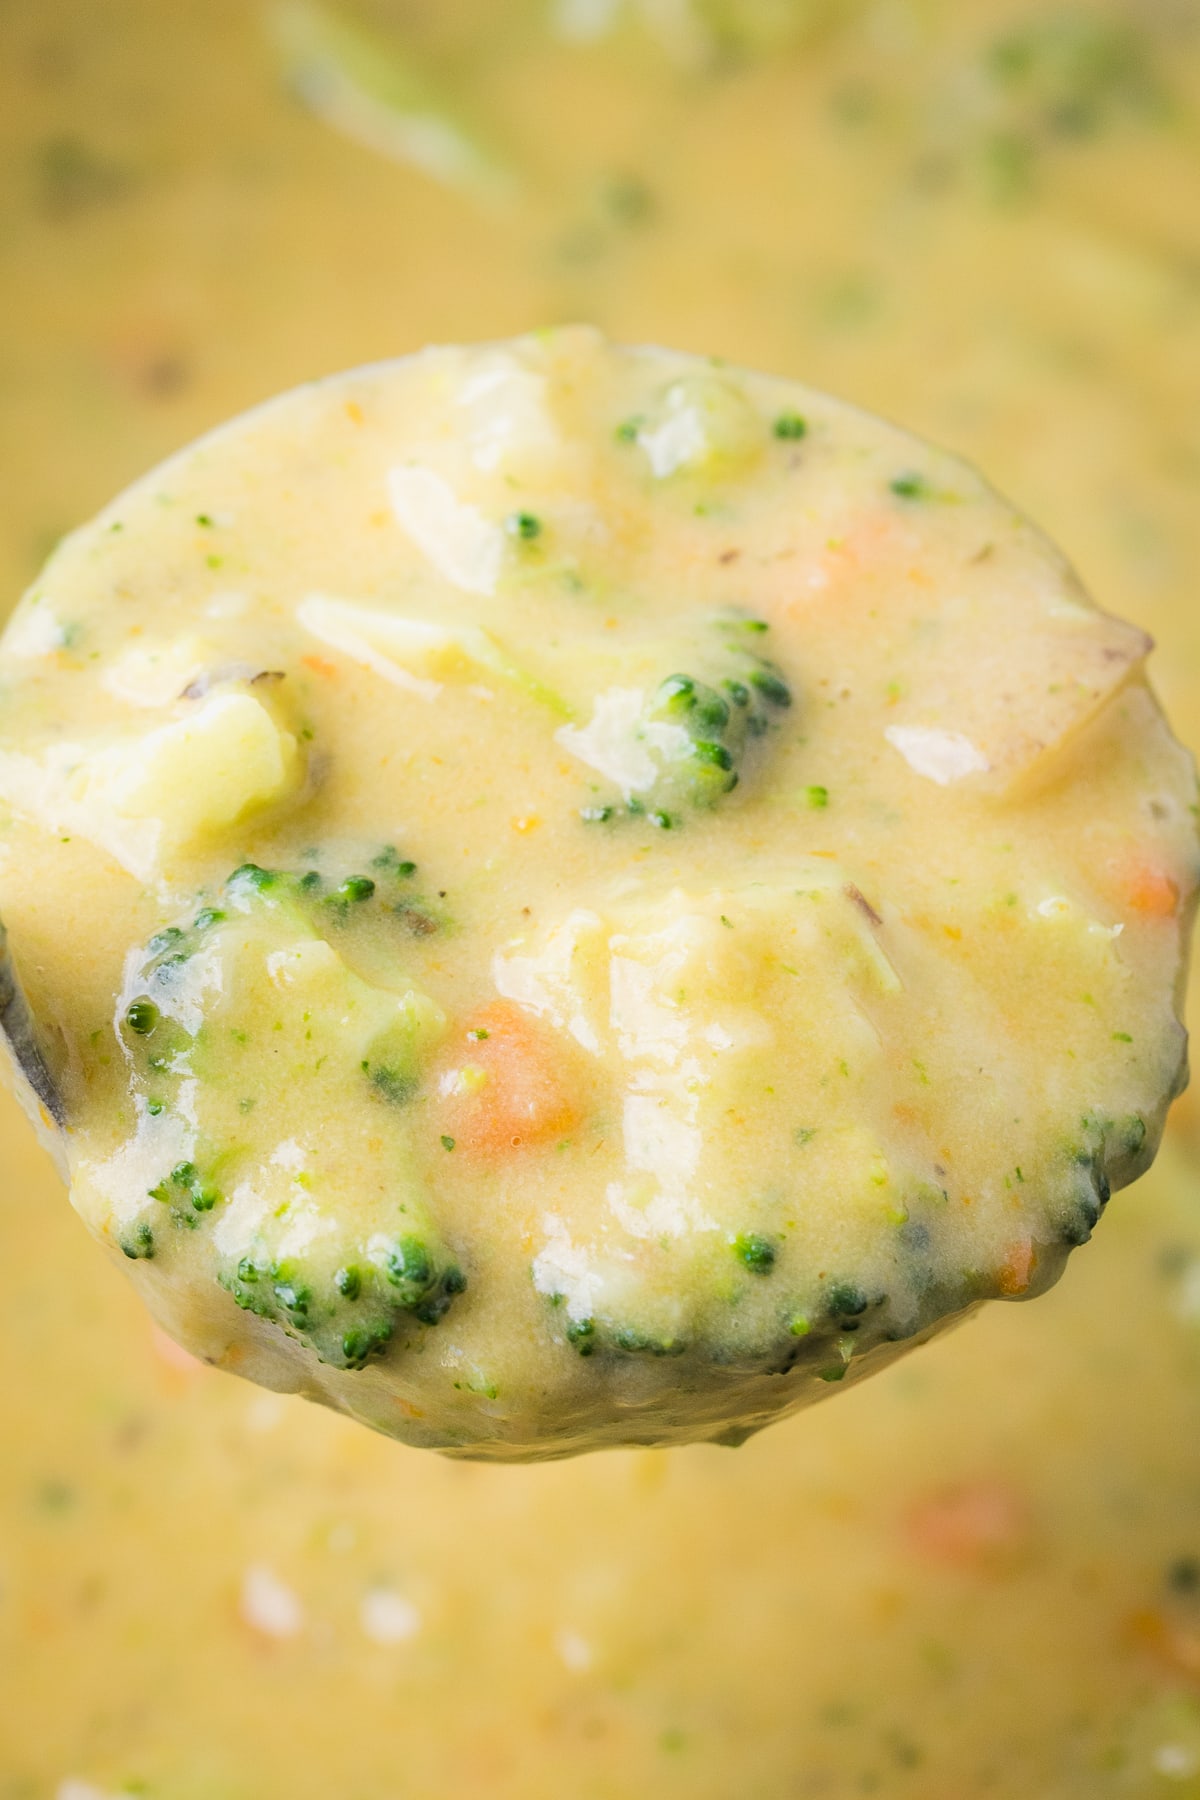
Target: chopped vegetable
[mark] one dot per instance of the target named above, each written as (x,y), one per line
(371,92)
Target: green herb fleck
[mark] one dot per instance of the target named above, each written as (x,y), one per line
(911,486)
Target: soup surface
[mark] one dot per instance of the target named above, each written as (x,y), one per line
(974,1575)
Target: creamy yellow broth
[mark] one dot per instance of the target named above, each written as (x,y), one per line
(708,900)
(971,1576)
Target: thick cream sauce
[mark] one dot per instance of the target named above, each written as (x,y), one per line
(973,1575)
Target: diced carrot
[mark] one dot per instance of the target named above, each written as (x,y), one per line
(319,665)
(1174,1643)
(1016,1271)
(1146,889)
(871,539)
(872,547)
(976,1526)
(504,1089)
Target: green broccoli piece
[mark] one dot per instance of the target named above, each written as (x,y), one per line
(715,721)
(322,901)
(745,1306)
(204,1016)
(346,1301)
(138,1244)
(757,1253)
(589,1336)
(186,1192)
(699,727)
(352,1304)
(159,1027)
(1108,1153)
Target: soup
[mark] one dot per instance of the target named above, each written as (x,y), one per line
(497,1149)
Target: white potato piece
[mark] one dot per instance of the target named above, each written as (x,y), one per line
(145,799)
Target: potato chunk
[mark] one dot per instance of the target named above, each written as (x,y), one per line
(147,799)
(1025,702)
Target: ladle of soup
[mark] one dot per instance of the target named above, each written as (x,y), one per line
(564,896)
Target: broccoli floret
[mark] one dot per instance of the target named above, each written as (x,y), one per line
(323,901)
(185,1192)
(746,1307)
(330,898)
(138,1244)
(714,721)
(773,1342)
(1106,1154)
(757,1253)
(588,1336)
(346,1300)
(347,1311)
(212,1006)
(732,1332)
(698,728)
